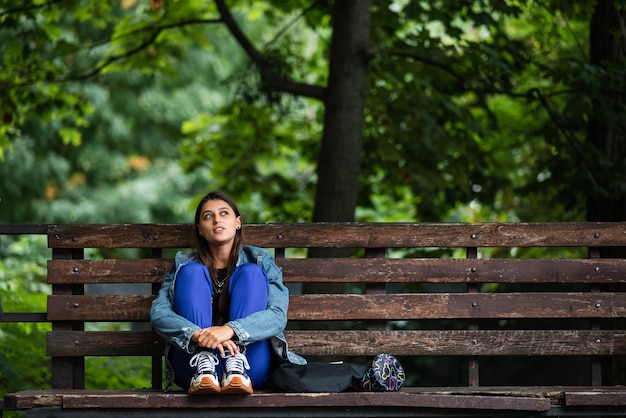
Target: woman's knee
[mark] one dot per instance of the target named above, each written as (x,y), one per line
(251,269)
(192,270)
(191,279)
(248,275)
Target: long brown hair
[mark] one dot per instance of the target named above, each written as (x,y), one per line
(204,251)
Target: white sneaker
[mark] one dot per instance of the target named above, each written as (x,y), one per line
(235,380)
(205,381)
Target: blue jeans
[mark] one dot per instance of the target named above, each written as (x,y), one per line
(193,293)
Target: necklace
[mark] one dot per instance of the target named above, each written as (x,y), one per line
(220,280)
(219,284)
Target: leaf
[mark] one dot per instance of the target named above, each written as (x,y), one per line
(70,136)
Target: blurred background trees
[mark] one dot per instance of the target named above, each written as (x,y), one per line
(127,110)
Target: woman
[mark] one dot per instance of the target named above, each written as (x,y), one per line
(223,309)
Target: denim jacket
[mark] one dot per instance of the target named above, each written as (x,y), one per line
(263,325)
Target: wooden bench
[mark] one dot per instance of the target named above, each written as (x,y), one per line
(488,319)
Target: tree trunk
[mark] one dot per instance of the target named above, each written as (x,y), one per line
(338,164)
(608,46)
(339,161)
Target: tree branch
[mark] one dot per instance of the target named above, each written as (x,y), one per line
(288,26)
(529,94)
(536,93)
(23,9)
(269,77)
(404,54)
(533,93)
(143,45)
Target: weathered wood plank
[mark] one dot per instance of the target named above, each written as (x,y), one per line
(365,270)
(99,308)
(596,397)
(354,307)
(397,235)
(175,399)
(448,270)
(285,400)
(150,270)
(28,399)
(120,236)
(368,343)
(457,306)
(23,229)
(8,317)
(458,342)
(147,399)
(103,343)
(347,235)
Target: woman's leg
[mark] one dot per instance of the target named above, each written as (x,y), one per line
(193,292)
(248,294)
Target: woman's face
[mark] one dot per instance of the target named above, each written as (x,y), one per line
(218,222)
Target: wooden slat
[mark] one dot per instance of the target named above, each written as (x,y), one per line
(150,270)
(368,343)
(99,308)
(303,400)
(365,270)
(433,270)
(352,307)
(149,400)
(23,317)
(347,235)
(120,236)
(104,343)
(457,306)
(23,229)
(459,342)
(398,235)
(29,399)
(597,397)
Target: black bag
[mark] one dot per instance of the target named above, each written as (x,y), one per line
(317,377)
(383,374)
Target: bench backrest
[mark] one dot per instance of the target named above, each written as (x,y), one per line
(461,292)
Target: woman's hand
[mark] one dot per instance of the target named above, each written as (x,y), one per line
(218,337)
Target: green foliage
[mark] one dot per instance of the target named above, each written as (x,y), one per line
(468,101)
(23,288)
(483,102)
(38,44)
(454,62)
(118,373)
(263,152)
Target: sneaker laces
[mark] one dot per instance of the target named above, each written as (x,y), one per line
(236,363)
(205,362)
